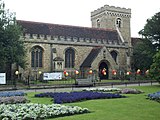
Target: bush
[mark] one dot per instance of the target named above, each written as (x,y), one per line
(130,91)
(9,94)
(13,100)
(154,96)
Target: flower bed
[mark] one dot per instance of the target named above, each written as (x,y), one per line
(130,91)
(13,100)
(9,94)
(154,96)
(32,111)
(65,97)
(102,89)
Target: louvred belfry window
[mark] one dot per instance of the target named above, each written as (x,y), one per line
(119,22)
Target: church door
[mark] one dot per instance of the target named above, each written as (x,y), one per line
(103,71)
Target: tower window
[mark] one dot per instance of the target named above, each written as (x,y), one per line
(98,23)
(119,22)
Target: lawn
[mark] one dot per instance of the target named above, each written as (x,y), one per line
(134,107)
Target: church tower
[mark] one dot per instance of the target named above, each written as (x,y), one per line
(115,18)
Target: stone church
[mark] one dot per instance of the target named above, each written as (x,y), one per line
(55,48)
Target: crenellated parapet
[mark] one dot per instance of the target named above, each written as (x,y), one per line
(115,18)
(113,11)
(36,38)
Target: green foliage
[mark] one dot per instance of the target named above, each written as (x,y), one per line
(151,30)
(12,47)
(143,52)
(155,67)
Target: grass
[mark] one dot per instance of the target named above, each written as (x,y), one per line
(134,107)
(38,100)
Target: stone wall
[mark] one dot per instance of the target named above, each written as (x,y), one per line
(83,46)
(81,52)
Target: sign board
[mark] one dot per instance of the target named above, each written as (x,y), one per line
(52,76)
(2,78)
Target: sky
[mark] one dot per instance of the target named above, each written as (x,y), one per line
(78,12)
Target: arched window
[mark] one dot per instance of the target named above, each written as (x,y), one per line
(119,22)
(114,55)
(98,23)
(36,57)
(69,58)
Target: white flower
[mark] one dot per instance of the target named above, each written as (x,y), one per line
(34,111)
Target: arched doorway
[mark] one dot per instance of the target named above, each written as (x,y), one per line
(103,65)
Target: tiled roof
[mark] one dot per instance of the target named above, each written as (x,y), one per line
(90,58)
(66,30)
(134,41)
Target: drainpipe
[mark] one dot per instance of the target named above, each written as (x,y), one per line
(51,58)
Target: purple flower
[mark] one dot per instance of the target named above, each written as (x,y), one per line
(65,97)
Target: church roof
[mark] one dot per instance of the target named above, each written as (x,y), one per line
(66,30)
(135,40)
(90,58)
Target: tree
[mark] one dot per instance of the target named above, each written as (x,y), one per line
(12,47)
(151,30)
(143,52)
(155,67)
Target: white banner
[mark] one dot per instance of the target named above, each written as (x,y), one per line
(52,76)
(2,78)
